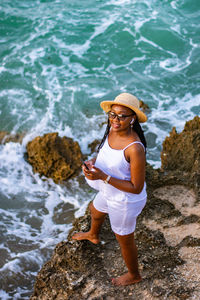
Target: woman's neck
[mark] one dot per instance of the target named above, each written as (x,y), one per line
(127,133)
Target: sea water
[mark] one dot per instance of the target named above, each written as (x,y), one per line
(58,60)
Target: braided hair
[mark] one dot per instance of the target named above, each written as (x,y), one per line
(104,137)
(136,127)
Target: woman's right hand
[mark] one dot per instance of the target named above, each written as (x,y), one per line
(89,172)
(89,164)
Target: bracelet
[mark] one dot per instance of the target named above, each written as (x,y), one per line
(107,179)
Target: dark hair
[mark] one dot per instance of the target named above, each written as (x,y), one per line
(104,137)
(136,127)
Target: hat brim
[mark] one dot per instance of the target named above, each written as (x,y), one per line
(106,106)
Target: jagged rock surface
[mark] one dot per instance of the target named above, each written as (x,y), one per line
(54,157)
(182,150)
(168,242)
(6,137)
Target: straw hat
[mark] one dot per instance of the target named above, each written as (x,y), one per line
(128,100)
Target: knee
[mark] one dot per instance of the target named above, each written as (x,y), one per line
(125,240)
(97,218)
(92,209)
(95,214)
(91,206)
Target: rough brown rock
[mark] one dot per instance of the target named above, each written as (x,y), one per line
(94,145)
(6,137)
(168,242)
(54,157)
(144,106)
(182,150)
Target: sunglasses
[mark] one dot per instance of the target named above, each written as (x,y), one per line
(112,116)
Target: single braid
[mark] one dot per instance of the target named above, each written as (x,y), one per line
(138,129)
(104,137)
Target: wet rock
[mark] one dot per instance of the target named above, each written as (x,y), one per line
(6,137)
(143,106)
(181,150)
(63,213)
(94,145)
(190,241)
(54,157)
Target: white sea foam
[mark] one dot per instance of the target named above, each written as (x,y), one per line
(36,53)
(121,2)
(173,4)
(79,50)
(18,182)
(4,295)
(140,22)
(143,39)
(2,69)
(176,28)
(23,181)
(175,64)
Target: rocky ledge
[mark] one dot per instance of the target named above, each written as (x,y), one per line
(167,236)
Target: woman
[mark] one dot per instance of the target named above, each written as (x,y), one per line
(118,173)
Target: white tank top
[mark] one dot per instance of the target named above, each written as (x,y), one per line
(113,162)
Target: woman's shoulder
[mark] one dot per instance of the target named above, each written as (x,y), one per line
(134,151)
(135,146)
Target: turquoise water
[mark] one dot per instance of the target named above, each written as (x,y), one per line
(58,60)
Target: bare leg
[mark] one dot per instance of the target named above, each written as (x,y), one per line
(97,219)
(129,253)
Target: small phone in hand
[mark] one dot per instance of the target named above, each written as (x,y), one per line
(86,166)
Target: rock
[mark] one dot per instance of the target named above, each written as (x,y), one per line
(6,137)
(54,157)
(94,145)
(167,236)
(143,106)
(182,150)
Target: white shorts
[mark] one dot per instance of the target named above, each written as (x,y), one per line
(122,212)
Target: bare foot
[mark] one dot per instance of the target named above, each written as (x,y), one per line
(86,236)
(126,279)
